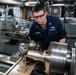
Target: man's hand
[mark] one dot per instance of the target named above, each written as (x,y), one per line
(62,40)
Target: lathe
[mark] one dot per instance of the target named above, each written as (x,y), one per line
(57,60)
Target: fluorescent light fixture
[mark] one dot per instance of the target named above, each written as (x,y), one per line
(58,5)
(9,2)
(31,3)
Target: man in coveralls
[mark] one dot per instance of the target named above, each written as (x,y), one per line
(46,28)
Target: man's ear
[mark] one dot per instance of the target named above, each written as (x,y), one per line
(46,13)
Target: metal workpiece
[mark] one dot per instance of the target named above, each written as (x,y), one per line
(60,58)
(35,53)
(39,54)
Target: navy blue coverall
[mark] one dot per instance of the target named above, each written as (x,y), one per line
(54,31)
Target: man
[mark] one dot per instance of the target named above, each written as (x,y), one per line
(46,29)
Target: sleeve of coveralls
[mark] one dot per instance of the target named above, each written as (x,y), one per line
(61,29)
(31,34)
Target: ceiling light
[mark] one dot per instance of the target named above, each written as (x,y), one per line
(31,3)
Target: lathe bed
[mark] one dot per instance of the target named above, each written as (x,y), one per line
(21,68)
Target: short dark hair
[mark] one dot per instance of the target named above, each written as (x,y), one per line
(38,7)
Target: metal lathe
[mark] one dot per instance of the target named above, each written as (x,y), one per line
(57,60)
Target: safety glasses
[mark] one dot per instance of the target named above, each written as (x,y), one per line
(40,16)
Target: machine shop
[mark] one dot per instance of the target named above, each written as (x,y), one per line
(37,37)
